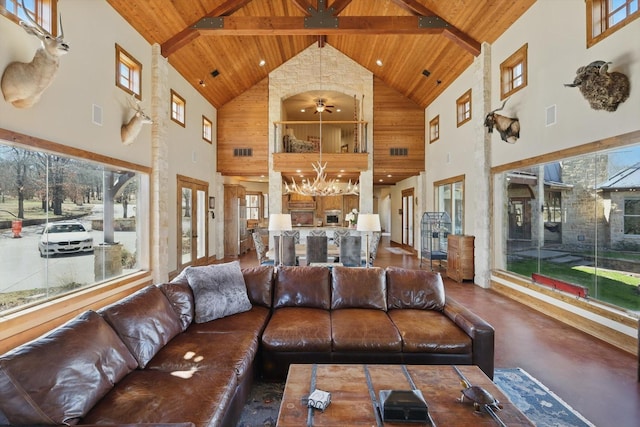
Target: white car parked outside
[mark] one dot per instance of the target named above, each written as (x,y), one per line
(65,237)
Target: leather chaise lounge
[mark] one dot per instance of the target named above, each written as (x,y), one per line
(152,359)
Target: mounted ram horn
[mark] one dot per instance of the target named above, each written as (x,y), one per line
(602,89)
(130,130)
(23,83)
(508,127)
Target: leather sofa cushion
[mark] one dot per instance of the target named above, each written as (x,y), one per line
(357,329)
(145,321)
(152,396)
(259,282)
(302,287)
(180,296)
(428,331)
(59,377)
(252,321)
(414,289)
(191,352)
(299,329)
(358,288)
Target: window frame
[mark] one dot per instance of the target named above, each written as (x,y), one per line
(455,218)
(177,100)
(207,125)
(507,67)
(625,215)
(135,73)
(434,129)
(463,114)
(597,20)
(46,13)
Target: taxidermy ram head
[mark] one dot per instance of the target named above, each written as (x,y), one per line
(603,90)
(509,128)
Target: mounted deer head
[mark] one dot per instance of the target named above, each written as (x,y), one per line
(130,130)
(509,128)
(603,90)
(23,83)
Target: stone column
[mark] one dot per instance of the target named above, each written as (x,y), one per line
(478,182)
(159,215)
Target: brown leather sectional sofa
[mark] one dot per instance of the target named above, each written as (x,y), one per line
(143,360)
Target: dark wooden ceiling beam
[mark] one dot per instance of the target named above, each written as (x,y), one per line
(454,34)
(339,5)
(189,34)
(294,26)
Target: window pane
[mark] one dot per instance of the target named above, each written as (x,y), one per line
(186,230)
(202,218)
(79,223)
(577,220)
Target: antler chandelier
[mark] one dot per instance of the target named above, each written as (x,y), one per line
(320,186)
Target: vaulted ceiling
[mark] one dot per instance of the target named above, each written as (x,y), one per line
(233,36)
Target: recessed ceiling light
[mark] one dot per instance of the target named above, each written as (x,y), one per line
(338,110)
(302,110)
(380,180)
(298,170)
(262,62)
(379,62)
(389,176)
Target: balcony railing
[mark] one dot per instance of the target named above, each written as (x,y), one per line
(305,137)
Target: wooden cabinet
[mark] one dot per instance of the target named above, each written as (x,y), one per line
(460,257)
(236,236)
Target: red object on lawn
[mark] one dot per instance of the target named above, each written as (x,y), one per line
(561,285)
(16,228)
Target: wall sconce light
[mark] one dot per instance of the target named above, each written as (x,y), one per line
(212,206)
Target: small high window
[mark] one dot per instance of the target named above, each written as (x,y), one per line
(434,129)
(128,73)
(513,73)
(207,128)
(178,105)
(463,107)
(605,17)
(43,10)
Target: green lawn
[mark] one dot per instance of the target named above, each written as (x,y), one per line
(613,287)
(33,210)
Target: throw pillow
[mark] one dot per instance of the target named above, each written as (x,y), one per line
(219,291)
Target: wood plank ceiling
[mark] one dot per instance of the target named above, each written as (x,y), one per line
(233,36)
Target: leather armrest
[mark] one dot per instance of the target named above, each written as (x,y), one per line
(482,334)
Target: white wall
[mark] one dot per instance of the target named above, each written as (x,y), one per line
(554,54)
(87,76)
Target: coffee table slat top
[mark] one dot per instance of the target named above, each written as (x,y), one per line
(351,402)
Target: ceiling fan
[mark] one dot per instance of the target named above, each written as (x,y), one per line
(322,107)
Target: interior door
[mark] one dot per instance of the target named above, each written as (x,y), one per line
(192,222)
(407,217)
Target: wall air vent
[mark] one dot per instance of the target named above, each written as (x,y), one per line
(242,152)
(399,151)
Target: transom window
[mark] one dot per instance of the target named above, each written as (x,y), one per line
(513,73)
(434,129)
(128,73)
(463,105)
(604,17)
(178,105)
(43,10)
(207,128)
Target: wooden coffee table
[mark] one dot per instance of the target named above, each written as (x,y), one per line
(354,388)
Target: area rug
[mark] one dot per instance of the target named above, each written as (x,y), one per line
(398,251)
(535,400)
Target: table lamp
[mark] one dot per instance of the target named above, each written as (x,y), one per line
(366,223)
(280,222)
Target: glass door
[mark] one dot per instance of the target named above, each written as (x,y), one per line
(407,217)
(192,222)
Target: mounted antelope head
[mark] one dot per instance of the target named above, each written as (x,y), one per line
(509,128)
(130,130)
(23,83)
(602,89)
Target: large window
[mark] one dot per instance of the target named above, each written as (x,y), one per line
(67,222)
(574,219)
(178,105)
(449,195)
(604,17)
